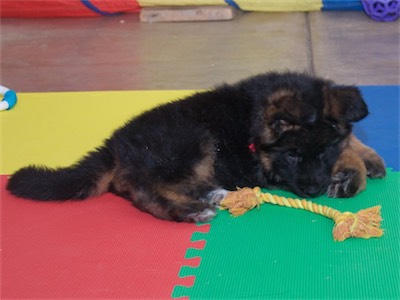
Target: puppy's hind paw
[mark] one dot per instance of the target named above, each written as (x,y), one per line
(215,197)
(346,183)
(202,216)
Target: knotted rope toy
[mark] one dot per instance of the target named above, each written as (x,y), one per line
(364,224)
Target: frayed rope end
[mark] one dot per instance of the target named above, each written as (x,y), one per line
(364,224)
(241,201)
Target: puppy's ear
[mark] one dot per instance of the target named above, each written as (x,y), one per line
(344,103)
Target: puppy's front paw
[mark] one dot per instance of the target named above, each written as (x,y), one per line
(375,167)
(346,183)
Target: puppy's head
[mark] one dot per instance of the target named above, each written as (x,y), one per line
(302,129)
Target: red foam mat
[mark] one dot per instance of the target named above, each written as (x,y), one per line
(98,248)
(65,8)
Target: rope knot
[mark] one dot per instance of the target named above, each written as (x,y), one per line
(364,224)
(242,200)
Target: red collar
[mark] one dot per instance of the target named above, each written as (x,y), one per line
(252,148)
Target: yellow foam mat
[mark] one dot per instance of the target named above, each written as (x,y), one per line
(248,5)
(56,129)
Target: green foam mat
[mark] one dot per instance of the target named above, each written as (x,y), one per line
(284,253)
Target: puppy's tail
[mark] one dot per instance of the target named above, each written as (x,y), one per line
(89,177)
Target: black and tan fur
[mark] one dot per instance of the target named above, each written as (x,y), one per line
(176,161)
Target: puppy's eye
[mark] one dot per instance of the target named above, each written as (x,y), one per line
(280,124)
(294,157)
(334,125)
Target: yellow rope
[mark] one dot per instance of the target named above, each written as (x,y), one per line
(300,204)
(365,223)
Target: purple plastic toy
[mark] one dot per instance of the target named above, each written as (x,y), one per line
(382,10)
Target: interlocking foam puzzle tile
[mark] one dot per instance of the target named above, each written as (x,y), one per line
(285,253)
(56,129)
(94,249)
(381,128)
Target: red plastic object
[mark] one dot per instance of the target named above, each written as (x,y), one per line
(97,248)
(65,8)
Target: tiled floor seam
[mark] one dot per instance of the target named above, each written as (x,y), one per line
(309,44)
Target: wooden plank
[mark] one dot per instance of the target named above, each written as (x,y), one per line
(187,13)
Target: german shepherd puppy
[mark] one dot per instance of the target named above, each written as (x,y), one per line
(177,161)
